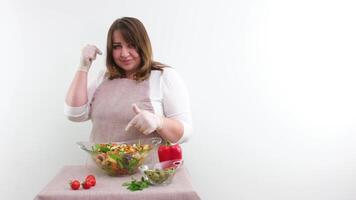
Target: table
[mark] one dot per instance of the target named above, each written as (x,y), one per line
(110,188)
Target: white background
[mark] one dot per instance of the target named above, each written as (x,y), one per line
(272,86)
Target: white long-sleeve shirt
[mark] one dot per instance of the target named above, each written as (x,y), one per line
(168,95)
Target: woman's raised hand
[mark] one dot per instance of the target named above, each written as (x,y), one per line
(89,53)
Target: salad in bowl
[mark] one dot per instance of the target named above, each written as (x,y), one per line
(160,173)
(120,158)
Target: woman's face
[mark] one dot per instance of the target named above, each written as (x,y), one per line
(125,55)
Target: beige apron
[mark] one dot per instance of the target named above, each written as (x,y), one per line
(111,109)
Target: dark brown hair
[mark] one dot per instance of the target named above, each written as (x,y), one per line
(133,32)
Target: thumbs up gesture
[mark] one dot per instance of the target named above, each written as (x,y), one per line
(145,121)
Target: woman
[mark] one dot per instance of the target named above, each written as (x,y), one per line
(135,97)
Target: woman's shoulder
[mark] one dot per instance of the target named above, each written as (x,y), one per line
(168,77)
(166,72)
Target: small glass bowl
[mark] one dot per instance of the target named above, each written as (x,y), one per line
(161,173)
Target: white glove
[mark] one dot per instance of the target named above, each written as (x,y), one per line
(145,121)
(88,55)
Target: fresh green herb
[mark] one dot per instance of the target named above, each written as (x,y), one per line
(135,185)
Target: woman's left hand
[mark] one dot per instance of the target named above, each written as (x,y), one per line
(145,121)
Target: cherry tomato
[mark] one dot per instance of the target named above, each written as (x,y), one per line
(91,179)
(86,185)
(74,184)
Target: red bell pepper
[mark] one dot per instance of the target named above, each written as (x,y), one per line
(169,152)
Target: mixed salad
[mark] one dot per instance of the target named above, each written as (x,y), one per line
(120,159)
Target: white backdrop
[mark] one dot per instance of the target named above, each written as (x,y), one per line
(272,85)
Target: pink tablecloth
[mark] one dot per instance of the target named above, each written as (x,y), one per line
(110,188)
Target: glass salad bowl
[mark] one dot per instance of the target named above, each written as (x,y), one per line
(120,158)
(160,173)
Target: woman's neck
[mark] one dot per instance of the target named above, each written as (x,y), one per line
(130,75)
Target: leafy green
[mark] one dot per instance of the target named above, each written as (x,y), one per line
(113,156)
(118,159)
(132,164)
(135,185)
(101,148)
(120,162)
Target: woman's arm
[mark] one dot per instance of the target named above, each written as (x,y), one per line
(76,102)
(177,121)
(77,94)
(172,130)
